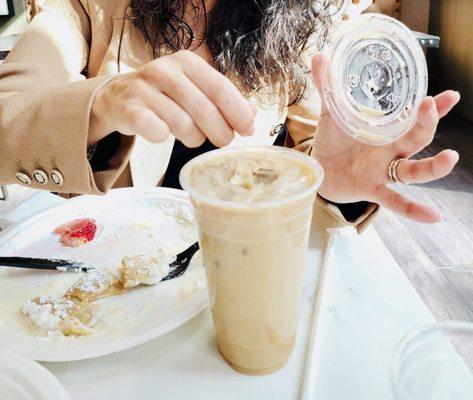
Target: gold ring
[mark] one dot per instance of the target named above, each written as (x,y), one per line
(392,171)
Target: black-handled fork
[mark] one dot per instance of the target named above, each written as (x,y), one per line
(46,264)
(177,268)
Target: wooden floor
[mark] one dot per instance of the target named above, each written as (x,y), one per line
(438,259)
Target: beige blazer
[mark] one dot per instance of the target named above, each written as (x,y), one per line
(47,86)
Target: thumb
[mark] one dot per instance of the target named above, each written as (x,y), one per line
(320,71)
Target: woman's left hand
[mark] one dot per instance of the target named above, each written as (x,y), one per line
(359,172)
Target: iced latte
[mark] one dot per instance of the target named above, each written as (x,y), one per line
(254,208)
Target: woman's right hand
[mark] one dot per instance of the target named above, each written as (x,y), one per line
(179,94)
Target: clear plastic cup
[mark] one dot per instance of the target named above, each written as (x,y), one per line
(435,363)
(254,258)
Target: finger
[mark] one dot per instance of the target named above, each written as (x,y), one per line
(320,67)
(428,169)
(422,134)
(205,114)
(445,102)
(319,70)
(394,201)
(236,110)
(181,123)
(254,108)
(136,119)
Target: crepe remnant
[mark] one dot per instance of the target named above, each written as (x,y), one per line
(94,285)
(50,314)
(145,270)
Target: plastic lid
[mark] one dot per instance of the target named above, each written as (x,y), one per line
(340,7)
(378,80)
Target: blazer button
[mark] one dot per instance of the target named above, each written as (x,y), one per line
(40,176)
(56,177)
(23,178)
(277,130)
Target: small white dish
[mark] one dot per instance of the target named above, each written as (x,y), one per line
(24,379)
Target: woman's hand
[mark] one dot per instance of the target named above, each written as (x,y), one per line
(355,171)
(179,94)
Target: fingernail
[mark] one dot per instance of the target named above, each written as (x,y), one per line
(320,60)
(255,109)
(323,63)
(457,93)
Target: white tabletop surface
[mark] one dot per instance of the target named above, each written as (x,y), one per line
(368,305)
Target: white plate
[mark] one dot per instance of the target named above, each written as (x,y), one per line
(130,221)
(24,379)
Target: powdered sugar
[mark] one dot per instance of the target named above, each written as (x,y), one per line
(47,312)
(95,281)
(142,269)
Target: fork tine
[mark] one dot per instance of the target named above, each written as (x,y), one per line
(182,262)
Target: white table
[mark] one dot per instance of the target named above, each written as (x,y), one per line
(367,307)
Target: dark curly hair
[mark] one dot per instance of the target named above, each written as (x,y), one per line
(259,44)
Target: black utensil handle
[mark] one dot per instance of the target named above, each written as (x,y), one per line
(39,263)
(20,262)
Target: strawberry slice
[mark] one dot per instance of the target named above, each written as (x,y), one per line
(78,232)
